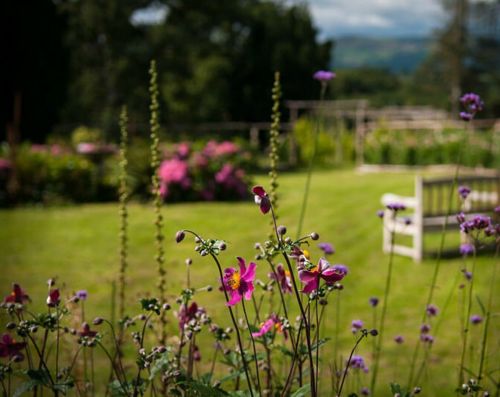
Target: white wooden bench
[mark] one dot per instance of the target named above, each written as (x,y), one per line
(429,209)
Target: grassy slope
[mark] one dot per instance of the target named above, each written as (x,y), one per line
(79,245)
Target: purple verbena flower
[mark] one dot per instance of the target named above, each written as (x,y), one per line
(476,319)
(467,274)
(432,310)
(356,325)
(239,283)
(327,248)
(380,213)
(396,207)
(472,104)
(373,301)
(399,339)
(464,191)
(426,338)
(357,362)
(81,295)
(365,391)
(324,75)
(425,328)
(466,249)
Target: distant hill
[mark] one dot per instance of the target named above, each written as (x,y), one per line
(399,55)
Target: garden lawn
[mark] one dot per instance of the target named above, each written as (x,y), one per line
(79,246)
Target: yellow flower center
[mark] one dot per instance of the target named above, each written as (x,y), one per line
(315,269)
(287,273)
(234,281)
(306,254)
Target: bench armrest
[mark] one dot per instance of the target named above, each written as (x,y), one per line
(408,201)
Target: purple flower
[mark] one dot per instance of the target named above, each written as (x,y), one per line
(399,339)
(81,295)
(356,325)
(396,207)
(282,277)
(323,75)
(380,213)
(497,210)
(466,249)
(262,199)
(239,284)
(327,248)
(324,270)
(426,338)
(478,222)
(425,328)
(365,391)
(476,319)
(86,331)
(464,191)
(472,104)
(5,164)
(460,217)
(467,274)
(432,310)
(373,301)
(358,362)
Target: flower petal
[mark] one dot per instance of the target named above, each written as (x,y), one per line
(235,298)
(249,274)
(248,291)
(241,263)
(259,191)
(310,286)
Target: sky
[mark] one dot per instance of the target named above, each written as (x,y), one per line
(381,18)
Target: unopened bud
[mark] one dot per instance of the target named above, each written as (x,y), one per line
(179,236)
(314,236)
(281,230)
(98,321)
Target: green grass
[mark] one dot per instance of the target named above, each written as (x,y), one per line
(79,245)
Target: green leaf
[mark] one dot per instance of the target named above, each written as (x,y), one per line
(199,389)
(26,387)
(303,391)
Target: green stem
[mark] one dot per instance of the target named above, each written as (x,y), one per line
(253,346)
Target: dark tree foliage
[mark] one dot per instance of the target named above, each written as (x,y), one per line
(77,61)
(33,65)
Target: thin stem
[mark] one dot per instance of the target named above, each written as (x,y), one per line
(466,321)
(122,384)
(349,363)
(317,341)
(138,377)
(378,348)
(488,315)
(438,259)
(310,168)
(306,324)
(253,346)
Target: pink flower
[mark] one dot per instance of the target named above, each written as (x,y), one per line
(262,199)
(183,150)
(265,327)
(187,314)
(239,284)
(173,171)
(54,298)
(282,277)
(324,270)
(10,348)
(5,164)
(232,178)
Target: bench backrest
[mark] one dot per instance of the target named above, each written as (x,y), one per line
(435,193)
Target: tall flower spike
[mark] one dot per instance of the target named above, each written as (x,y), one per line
(155,162)
(123,193)
(273,147)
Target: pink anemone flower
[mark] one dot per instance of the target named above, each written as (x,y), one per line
(262,199)
(282,277)
(239,283)
(324,270)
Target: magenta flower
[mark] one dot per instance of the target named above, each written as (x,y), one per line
(262,199)
(86,331)
(399,339)
(54,298)
(187,314)
(282,277)
(265,327)
(239,284)
(17,295)
(323,75)
(10,348)
(324,270)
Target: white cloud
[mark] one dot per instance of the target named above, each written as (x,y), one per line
(375,17)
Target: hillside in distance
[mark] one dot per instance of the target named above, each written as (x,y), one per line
(399,55)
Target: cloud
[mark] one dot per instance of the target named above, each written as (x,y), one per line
(375,17)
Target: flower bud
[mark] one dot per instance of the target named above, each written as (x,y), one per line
(281,230)
(10,325)
(373,332)
(189,261)
(314,236)
(417,390)
(179,236)
(222,246)
(98,321)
